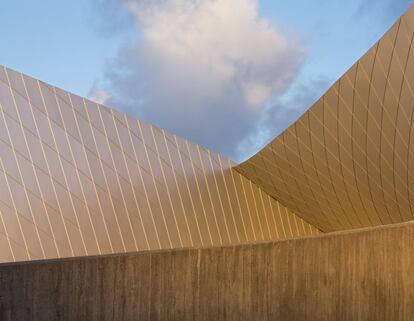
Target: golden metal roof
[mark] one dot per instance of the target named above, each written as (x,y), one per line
(348,161)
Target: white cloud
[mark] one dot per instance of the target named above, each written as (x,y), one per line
(204,69)
(282,112)
(99,95)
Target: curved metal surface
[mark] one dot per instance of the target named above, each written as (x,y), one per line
(349,160)
(77,178)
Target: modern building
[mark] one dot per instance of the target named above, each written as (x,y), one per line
(78,179)
(348,161)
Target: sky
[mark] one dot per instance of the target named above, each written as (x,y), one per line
(227,74)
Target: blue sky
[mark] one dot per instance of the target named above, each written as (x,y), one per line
(106,48)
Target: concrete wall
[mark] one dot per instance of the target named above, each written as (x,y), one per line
(359,275)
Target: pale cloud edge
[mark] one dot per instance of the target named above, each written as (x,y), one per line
(205,70)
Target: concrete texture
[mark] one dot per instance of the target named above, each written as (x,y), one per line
(358,275)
